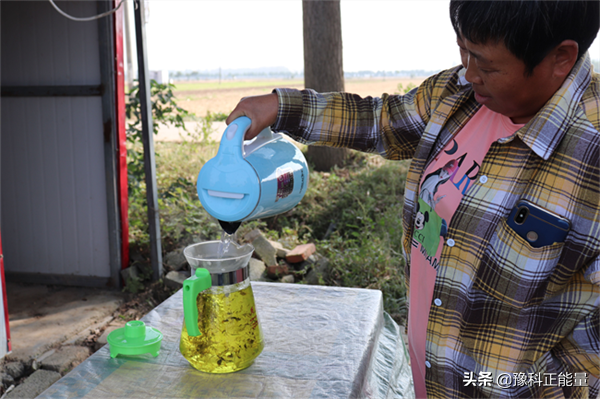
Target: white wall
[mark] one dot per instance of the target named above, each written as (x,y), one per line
(53,189)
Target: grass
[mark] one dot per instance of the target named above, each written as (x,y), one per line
(352,214)
(361,205)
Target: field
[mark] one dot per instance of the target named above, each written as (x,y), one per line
(201,97)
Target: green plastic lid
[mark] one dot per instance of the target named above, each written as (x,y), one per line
(134,339)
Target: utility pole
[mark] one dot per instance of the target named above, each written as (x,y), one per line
(323,66)
(127,17)
(148,142)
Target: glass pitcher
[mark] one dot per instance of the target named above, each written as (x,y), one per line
(221,332)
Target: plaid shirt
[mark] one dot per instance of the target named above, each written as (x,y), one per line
(528,317)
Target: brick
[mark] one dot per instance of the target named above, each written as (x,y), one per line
(277,271)
(301,253)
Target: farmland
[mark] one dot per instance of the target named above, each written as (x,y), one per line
(205,96)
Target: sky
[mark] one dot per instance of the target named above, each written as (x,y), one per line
(377,35)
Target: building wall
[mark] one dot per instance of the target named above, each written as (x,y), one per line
(53,180)
(41,47)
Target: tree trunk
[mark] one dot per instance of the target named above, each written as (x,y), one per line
(323,67)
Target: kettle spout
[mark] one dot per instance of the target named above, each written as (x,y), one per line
(230,227)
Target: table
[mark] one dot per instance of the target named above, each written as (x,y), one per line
(320,342)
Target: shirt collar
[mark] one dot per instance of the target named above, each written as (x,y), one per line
(462,81)
(545,130)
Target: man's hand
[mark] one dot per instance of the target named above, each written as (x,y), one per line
(262,110)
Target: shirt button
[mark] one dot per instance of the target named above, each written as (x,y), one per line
(483,179)
(450,242)
(427,364)
(438,302)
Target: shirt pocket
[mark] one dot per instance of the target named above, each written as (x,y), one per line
(513,271)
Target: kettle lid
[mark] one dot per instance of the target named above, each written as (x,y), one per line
(228,186)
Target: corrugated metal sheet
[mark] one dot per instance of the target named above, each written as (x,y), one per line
(53,196)
(54,216)
(41,47)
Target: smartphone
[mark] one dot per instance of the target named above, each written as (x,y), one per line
(537,225)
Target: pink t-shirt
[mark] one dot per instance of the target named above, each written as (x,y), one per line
(444,182)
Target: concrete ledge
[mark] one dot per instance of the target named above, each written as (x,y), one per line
(65,358)
(35,384)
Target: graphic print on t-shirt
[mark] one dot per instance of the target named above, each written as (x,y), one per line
(429,226)
(445,181)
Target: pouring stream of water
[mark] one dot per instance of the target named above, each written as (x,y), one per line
(224,244)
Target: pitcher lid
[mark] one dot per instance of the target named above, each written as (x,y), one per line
(134,339)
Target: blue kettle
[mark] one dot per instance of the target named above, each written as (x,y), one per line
(262,177)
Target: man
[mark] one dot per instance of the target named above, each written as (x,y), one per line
(491,312)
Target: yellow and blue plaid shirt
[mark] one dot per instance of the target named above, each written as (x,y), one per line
(515,321)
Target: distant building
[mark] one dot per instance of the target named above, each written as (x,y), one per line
(161,76)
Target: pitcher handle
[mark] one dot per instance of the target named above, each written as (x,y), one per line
(193,286)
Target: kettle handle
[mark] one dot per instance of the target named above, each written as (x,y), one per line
(192,286)
(233,137)
(265,134)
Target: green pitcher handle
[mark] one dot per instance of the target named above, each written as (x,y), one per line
(191,288)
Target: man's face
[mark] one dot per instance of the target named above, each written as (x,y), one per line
(500,82)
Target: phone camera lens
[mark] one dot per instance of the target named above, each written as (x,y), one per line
(532,236)
(521,215)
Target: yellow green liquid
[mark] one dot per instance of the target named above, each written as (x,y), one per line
(231,337)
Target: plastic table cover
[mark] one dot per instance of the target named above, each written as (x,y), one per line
(320,342)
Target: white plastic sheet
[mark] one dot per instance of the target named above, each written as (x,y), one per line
(320,342)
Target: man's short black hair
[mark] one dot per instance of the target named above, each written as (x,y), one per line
(529,29)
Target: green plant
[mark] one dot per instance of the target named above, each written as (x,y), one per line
(165,111)
(404,90)
(215,116)
(365,250)
(133,285)
(205,129)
